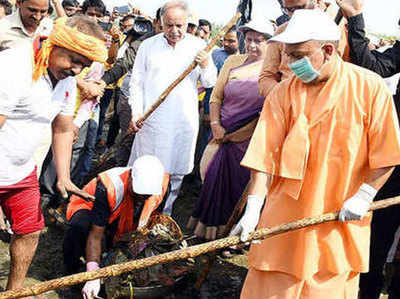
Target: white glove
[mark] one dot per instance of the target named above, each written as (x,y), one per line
(92,287)
(356,207)
(249,221)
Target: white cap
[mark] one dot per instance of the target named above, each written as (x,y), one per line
(309,24)
(147,175)
(260,26)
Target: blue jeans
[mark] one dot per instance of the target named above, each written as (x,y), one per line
(85,160)
(104,103)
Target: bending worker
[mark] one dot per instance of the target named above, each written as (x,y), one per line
(327,140)
(125,200)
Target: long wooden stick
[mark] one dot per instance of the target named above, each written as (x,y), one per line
(186,253)
(165,94)
(190,68)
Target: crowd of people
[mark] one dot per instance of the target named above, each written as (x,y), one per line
(292,115)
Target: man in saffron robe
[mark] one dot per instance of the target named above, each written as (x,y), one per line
(327,140)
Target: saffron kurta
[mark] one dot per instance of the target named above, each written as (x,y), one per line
(321,142)
(170,132)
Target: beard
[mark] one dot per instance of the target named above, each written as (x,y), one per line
(230,51)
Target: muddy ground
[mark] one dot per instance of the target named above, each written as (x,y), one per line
(224,281)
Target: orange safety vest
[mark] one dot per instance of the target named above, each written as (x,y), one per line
(121,204)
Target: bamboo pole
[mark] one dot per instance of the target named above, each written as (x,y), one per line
(190,68)
(165,94)
(190,252)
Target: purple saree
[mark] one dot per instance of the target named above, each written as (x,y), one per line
(225,180)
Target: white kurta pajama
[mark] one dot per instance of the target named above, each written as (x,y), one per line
(170,132)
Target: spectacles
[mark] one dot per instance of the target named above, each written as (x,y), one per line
(292,9)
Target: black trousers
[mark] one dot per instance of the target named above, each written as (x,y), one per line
(383,228)
(75,239)
(114,124)
(104,103)
(394,290)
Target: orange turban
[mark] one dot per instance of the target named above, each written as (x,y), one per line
(71,39)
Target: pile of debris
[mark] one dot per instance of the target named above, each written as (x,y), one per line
(161,235)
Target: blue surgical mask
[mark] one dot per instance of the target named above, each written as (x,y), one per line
(304,69)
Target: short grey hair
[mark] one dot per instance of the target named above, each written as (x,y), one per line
(174,4)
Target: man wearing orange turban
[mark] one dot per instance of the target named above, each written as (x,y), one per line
(38,89)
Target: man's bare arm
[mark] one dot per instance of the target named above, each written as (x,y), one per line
(59,9)
(378,177)
(93,245)
(113,51)
(259,183)
(63,137)
(270,75)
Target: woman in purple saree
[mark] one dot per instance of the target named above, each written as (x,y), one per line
(235,106)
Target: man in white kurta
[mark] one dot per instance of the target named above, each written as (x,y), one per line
(24,25)
(38,91)
(170,132)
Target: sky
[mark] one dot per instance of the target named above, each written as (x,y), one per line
(380,16)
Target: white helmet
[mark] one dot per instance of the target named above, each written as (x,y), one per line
(147,175)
